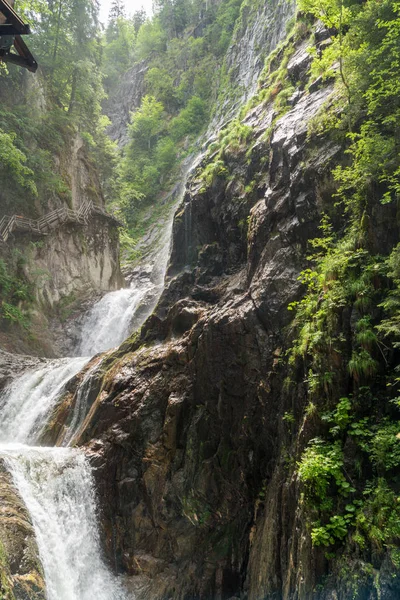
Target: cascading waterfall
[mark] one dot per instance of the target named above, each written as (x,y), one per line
(56,484)
(57,487)
(27,404)
(108,322)
(119,313)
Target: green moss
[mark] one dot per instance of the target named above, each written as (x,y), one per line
(6,585)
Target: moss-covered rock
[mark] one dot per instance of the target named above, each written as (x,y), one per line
(21,573)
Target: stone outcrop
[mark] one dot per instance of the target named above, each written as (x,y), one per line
(21,575)
(68,269)
(262,27)
(122,101)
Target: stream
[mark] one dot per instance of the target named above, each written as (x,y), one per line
(56,483)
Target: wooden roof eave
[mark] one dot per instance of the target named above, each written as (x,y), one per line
(12,25)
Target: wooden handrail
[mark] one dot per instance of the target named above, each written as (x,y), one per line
(53,219)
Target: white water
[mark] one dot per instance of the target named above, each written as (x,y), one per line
(113,318)
(57,487)
(27,404)
(108,323)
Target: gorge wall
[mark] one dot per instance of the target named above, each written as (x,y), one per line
(70,263)
(199,423)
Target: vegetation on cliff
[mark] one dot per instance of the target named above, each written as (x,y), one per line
(348,322)
(40,115)
(344,335)
(183,48)
(46,120)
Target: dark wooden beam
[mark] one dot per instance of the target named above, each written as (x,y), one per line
(12,17)
(11,25)
(24,51)
(23,59)
(7,29)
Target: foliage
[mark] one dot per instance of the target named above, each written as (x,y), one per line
(190,120)
(231,140)
(347,324)
(321,464)
(40,116)
(119,46)
(14,293)
(181,48)
(13,164)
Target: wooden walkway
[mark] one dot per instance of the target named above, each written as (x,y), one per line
(52,220)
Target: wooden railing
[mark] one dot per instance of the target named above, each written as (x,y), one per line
(52,220)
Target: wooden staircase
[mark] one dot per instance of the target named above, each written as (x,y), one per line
(52,220)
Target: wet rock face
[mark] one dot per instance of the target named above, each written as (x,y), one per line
(21,576)
(263,26)
(123,101)
(186,431)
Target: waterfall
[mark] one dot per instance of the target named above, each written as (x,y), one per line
(188,229)
(108,323)
(56,483)
(113,318)
(57,487)
(27,404)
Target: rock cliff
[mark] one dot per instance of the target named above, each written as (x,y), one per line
(262,26)
(123,101)
(189,434)
(71,262)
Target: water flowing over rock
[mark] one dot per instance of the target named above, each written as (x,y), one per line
(56,486)
(108,323)
(120,313)
(27,404)
(58,490)
(191,429)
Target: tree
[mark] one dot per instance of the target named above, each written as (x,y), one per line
(139,17)
(119,46)
(147,123)
(117,10)
(150,40)
(190,120)
(160,84)
(173,15)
